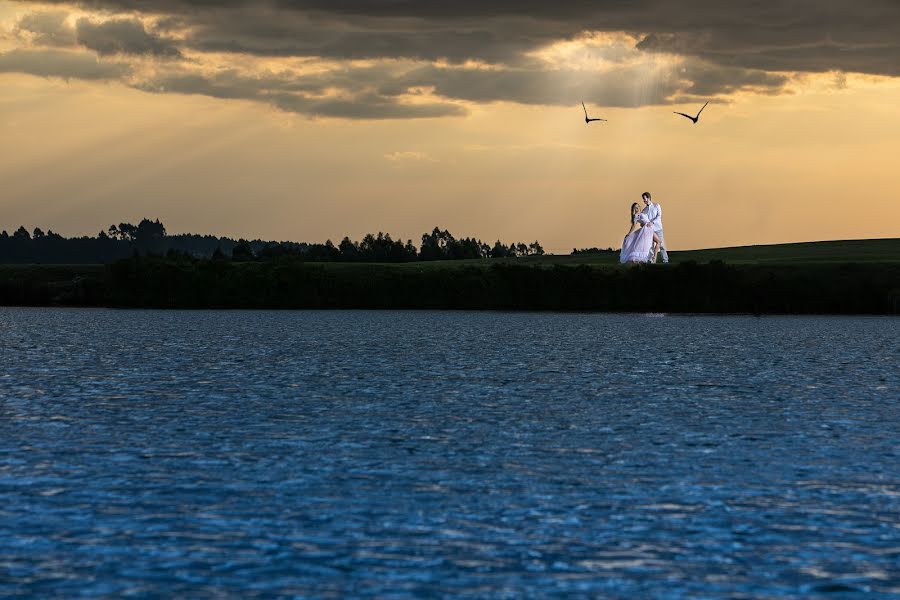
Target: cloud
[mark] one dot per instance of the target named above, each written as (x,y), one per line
(291,93)
(47,28)
(408,90)
(802,35)
(629,85)
(60,63)
(412,58)
(105,37)
(123,36)
(409,156)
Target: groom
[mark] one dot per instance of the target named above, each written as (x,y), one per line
(653,211)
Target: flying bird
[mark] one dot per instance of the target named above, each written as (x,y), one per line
(588,119)
(694,119)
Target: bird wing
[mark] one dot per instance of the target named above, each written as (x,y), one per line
(585,110)
(701,110)
(684,115)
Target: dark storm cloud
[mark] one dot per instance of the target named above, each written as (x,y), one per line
(292,33)
(296,94)
(803,35)
(113,36)
(722,48)
(387,91)
(122,36)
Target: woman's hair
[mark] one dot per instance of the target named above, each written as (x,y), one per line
(633,206)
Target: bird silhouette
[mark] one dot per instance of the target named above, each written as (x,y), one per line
(588,119)
(694,119)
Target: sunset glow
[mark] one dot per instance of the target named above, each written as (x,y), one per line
(312,124)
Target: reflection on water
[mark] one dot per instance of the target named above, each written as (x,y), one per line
(419,453)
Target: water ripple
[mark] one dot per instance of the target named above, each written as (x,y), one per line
(401,454)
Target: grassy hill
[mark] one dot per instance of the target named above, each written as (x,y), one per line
(885,251)
(843,251)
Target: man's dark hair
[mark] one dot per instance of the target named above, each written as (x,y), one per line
(646,195)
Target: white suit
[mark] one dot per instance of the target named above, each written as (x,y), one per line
(653,212)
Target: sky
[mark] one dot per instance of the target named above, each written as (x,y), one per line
(308,120)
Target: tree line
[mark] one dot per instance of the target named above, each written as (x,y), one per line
(149,238)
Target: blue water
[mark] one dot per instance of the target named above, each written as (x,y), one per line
(399,454)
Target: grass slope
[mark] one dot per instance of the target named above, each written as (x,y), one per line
(885,251)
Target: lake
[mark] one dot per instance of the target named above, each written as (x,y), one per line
(401,454)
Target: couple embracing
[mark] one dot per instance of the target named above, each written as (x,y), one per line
(645,238)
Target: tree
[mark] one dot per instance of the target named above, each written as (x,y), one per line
(536,248)
(410,251)
(148,231)
(21,234)
(242,250)
(333,252)
(127,232)
(499,250)
(349,249)
(37,233)
(368,248)
(436,245)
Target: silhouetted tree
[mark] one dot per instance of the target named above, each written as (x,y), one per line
(434,245)
(242,251)
(349,249)
(127,232)
(594,250)
(148,230)
(149,237)
(329,245)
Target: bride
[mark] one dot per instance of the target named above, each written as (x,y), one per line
(640,239)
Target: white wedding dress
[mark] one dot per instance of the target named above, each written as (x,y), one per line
(637,244)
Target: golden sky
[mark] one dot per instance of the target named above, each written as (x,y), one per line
(110,115)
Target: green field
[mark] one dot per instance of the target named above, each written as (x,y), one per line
(885,251)
(844,251)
